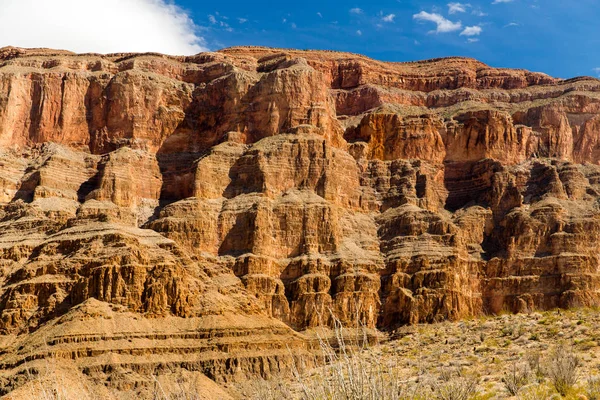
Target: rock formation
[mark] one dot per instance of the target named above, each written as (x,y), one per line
(202,211)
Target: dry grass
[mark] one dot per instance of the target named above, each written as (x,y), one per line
(592,390)
(562,369)
(517,378)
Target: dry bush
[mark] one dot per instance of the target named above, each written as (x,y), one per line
(351,374)
(562,368)
(534,359)
(592,390)
(454,386)
(517,378)
(537,392)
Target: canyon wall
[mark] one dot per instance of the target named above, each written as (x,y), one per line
(269,191)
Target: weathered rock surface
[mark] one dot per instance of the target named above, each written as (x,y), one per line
(204,210)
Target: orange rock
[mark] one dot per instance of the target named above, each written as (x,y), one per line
(262,192)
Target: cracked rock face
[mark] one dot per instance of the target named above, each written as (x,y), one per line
(266,191)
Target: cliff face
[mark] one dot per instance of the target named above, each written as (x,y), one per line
(267,190)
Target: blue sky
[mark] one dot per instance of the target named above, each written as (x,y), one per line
(561,38)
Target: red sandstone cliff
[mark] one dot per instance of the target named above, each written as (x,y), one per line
(258,190)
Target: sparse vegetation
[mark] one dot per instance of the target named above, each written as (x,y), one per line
(352,373)
(592,390)
(562,368)
(509,356)
(516,378)
(537,392)
(455,388)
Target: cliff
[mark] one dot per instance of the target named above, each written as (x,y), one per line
(200,212)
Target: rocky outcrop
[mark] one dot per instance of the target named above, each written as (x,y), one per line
(215,206)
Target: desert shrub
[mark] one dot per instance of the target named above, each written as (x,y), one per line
(447,374)
(534,360)
(454,385)
(562,367)
(592,390)
(458,388)
(351,374)
(516,378)
(536,392)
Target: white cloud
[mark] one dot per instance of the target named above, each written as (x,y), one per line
(472,40)
(502,1)
(356,10)
(359,32)
(597,71)
(320,15)
(443,25)
(242,20)
(454,8)
(107,26)
(471,31)
(388,18)
(220,21)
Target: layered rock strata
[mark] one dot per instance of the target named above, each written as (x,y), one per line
(269,191)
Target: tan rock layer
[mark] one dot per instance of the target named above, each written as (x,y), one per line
(285,187)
